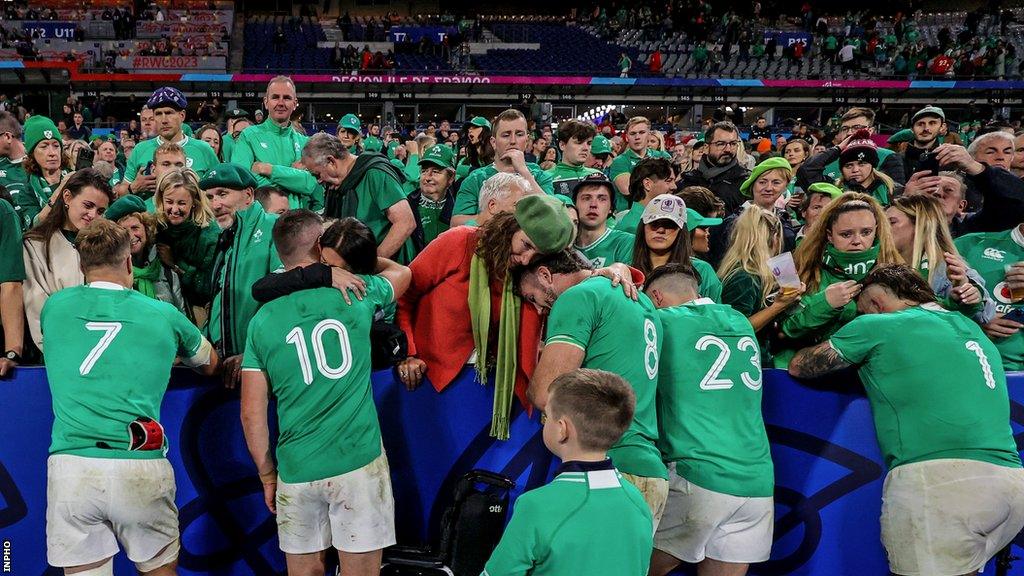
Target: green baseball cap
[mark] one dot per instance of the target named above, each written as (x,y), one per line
(545,223)
(695,220)
(439,155)
(481,122)
(929,111)
(236,113)
(124,206)
(600,145)
(350,122)
(825,188)
(373,144)
(775,163)
(229,176)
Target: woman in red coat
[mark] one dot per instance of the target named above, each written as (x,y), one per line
(471,265)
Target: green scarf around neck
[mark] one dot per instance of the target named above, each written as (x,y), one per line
(146,277)
(850,265)
(508,341)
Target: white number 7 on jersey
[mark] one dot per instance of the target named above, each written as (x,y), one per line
(111,329)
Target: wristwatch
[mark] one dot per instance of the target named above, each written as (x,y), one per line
(13,356)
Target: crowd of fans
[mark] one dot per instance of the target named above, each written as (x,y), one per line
(620,247)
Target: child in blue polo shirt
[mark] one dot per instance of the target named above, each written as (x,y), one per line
(588,520)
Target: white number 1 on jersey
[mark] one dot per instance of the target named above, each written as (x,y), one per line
(111,329)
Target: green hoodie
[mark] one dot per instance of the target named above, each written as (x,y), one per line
(372,186)
(282,147)
(245,253)
(194,251)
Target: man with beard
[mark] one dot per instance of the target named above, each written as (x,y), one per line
(928,124)
(637,130)
(718,170)
(272,150)
(367,187)
(574,140)
(509,139)
(168,105)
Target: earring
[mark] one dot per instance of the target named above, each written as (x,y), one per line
(66,206)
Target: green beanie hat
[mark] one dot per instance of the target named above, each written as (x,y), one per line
(600,145)
(37,129)
(825,188)
(545,222)
(769,164)
(230,176)
(373,144)
(124,206)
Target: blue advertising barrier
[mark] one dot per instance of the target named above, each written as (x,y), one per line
(414,34)
(827,466)
(50,29)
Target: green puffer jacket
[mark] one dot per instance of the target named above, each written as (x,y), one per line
(194,249)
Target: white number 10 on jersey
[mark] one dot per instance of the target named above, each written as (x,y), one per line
(297,338)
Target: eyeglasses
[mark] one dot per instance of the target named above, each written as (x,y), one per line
(853,128)
(725,144)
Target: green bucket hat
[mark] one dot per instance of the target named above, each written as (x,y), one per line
(825,188)
(229,176)
(439,155)
(481,122)
(350,122)
(769,164)
(37,129)
(600,145)
(373,144)
(124,206)
(694,220)
(905,135)
(545,222)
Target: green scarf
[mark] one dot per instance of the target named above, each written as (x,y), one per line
(508,339)
(146,277)
(850,265)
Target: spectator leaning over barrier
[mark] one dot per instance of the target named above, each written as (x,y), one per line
(12,274)
(43,166)
(662,238)
(433,199)
(51,261)
(941,414)
(237,121)
(651,178)
(929,125)
(366,187)
(921,236)
(1002,192)
(244,254)
(272,150)
(586,506)
(637,130)
(479,149)
(150,276)
(187,233)
(718,169)
(574,140)
(851,237)
(599,243)
(456,283)
(328,410)
(727,476)
(748,284)
(509,140)
(591,324)
(108,481)
(168,105)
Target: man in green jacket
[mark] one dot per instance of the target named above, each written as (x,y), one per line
(574,140)
(636,133)
(367,187)
(168,105)
(510,144)
(271,150)
(245,253)
(237,120)
(12,152)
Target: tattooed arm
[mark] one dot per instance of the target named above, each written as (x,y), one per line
(817,361)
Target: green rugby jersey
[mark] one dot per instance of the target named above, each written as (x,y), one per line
(613,246)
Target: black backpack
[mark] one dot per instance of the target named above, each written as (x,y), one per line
(470,530)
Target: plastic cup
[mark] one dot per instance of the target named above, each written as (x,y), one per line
(1015,295)
(784,269)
